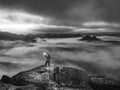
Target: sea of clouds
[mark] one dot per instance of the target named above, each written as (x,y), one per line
(96,57)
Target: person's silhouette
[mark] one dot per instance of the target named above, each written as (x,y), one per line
(47,56)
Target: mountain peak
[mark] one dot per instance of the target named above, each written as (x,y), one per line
(90,38)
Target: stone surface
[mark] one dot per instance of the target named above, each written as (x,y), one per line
(5,79)
(58,78)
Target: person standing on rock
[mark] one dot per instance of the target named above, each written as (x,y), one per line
(47,56)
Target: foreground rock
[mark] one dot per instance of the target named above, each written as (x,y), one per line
(98,82)
(4,86)
(57,78)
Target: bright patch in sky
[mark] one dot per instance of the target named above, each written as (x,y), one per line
(20,22)
(100,24)
(91,30)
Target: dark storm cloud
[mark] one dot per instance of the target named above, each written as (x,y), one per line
(110,9)
(70,9)
(47,7)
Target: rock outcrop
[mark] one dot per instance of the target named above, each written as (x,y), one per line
(5,79)
(57,78)
(90,38)
(98,82)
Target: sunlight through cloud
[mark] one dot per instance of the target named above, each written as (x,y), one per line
(20,22)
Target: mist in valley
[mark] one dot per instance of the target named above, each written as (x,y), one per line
(96,57)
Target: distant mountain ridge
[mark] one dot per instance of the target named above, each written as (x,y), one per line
(32,37)
(13,37)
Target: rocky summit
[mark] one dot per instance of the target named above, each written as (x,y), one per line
(89,38)
(57,78)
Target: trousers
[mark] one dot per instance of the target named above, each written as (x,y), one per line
(47,63)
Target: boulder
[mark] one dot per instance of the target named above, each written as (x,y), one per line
(72,77)
(38,76)
(5,86)
(5,79)
(30,87)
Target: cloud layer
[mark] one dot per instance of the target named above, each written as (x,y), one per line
(96,57)
(86,10)
(68,13)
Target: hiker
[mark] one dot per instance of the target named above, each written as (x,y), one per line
(47,56)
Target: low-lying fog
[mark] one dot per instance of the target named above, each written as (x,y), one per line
(96,57)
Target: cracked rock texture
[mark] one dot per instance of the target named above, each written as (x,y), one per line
(57,78)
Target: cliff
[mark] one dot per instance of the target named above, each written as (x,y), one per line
(57,78)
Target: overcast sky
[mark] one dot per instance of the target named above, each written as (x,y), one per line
(76,15)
